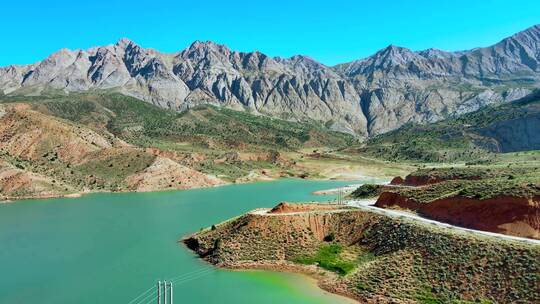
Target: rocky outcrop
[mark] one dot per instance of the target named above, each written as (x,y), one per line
(423,180)
(367,97)
(518,216)
(398,180)
(520,134)
(501,199)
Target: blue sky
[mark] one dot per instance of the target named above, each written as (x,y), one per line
(329,31)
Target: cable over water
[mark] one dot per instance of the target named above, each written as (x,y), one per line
(177,280)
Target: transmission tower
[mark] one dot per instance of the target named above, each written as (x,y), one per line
(164,292)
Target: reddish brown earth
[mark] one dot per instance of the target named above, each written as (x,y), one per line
(27,134)
(165,173)
(518,216)
(398,180)
(40,156)
(17,183)
(396,258)
(182,157)
(270,241)
(285,207)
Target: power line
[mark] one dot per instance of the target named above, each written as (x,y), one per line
(197,276)
(151,300)
(180,279)
(138,299)
(190,273)
(149,295)
(134,300)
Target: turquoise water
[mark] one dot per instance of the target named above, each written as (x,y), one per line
(111,247)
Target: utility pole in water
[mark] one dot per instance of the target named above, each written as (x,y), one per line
(158,292)
(170,293)
(164,292)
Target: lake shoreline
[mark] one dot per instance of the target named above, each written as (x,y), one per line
(10,200)
(319,277)
(132,238)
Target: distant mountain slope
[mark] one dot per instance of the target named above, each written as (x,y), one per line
(510,127)
(142,124)
(371,96)
(60,145)
(41,156)
(205,73)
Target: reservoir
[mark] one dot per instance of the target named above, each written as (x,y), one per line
(114,247)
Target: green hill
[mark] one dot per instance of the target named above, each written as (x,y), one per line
(508,127)
(143,124)
(233,145)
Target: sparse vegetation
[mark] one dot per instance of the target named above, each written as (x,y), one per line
(208,139)
(202,127)
(475,182)
(472,137)
(367,191)
(377,257)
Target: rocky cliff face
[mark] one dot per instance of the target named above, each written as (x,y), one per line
(521,134)
(367,97)
(398,85)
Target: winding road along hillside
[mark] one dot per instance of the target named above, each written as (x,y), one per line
(368,205)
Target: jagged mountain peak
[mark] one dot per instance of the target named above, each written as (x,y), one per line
(206,50)
(394,55)
(532,32)
(529,38)
(123,42)
(305,65)
(433,53)
(62,54)
(513,57)
(306,61)
(395,48)
(384,60)
(370,96)
(208,45)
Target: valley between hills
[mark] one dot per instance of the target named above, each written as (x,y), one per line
(481,176)
(67,145)
(460,233)
(462,226)
(447,137)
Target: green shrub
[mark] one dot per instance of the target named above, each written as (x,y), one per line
(328,258)
(367,191)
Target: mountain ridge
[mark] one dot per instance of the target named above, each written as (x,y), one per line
(366,97)
(474,137)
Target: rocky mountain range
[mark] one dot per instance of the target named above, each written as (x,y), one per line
(366,97)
